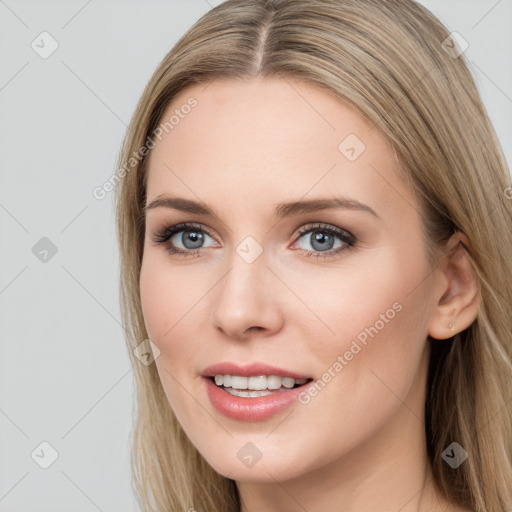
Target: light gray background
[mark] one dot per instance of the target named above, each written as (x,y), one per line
(65,377)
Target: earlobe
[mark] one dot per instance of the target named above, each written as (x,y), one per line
(458,296)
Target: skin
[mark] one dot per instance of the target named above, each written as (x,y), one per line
(360,443)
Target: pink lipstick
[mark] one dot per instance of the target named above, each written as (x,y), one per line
(253,392)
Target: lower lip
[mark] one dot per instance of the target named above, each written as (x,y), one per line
(251,409)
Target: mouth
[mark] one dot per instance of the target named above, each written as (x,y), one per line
(258,385)
(255,391)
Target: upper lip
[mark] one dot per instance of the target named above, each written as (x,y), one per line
(250,370)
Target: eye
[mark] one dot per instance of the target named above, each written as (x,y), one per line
(325,240)
(186,239)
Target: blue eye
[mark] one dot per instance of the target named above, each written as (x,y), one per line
(191,238)
(322,239)
(325,240)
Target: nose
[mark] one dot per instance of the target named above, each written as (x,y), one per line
(246,301)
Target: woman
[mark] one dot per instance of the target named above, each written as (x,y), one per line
(314,220)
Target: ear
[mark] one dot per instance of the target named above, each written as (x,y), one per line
(457,292)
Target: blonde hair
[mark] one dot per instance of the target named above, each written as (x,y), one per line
(386,58)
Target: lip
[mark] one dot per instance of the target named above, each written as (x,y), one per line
(251,409)
(250,370)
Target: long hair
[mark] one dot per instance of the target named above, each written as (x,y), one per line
(399,66)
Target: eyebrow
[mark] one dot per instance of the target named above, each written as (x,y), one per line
(282,209)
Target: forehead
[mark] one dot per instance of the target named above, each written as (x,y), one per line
(283,115)
(274,138)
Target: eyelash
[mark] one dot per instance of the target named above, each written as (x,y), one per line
(163,237)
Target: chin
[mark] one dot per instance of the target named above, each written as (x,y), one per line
(243,462)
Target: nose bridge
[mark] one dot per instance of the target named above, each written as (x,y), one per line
(246,277)
(245,297)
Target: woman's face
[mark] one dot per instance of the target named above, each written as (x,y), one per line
(341,294)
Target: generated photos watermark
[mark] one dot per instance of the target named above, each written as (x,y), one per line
(360,341)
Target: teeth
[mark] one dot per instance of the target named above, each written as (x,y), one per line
(257,383)
(274,382)
(248,394)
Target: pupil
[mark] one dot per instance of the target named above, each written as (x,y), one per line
(194,238)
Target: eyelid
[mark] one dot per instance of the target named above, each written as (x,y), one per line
(322,226)
(164,234)
(348,240)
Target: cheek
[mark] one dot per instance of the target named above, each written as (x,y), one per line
(175,307)
(168,295)
(366,291)
(155,300)
(374,316)
(171,304)
(375,355)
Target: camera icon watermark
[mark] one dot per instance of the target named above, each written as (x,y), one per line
(44,45)
(44,455)
(249,249)
(454,455)
(455,45)
(351,147)
(44,250)
(249,454)
(146,352)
